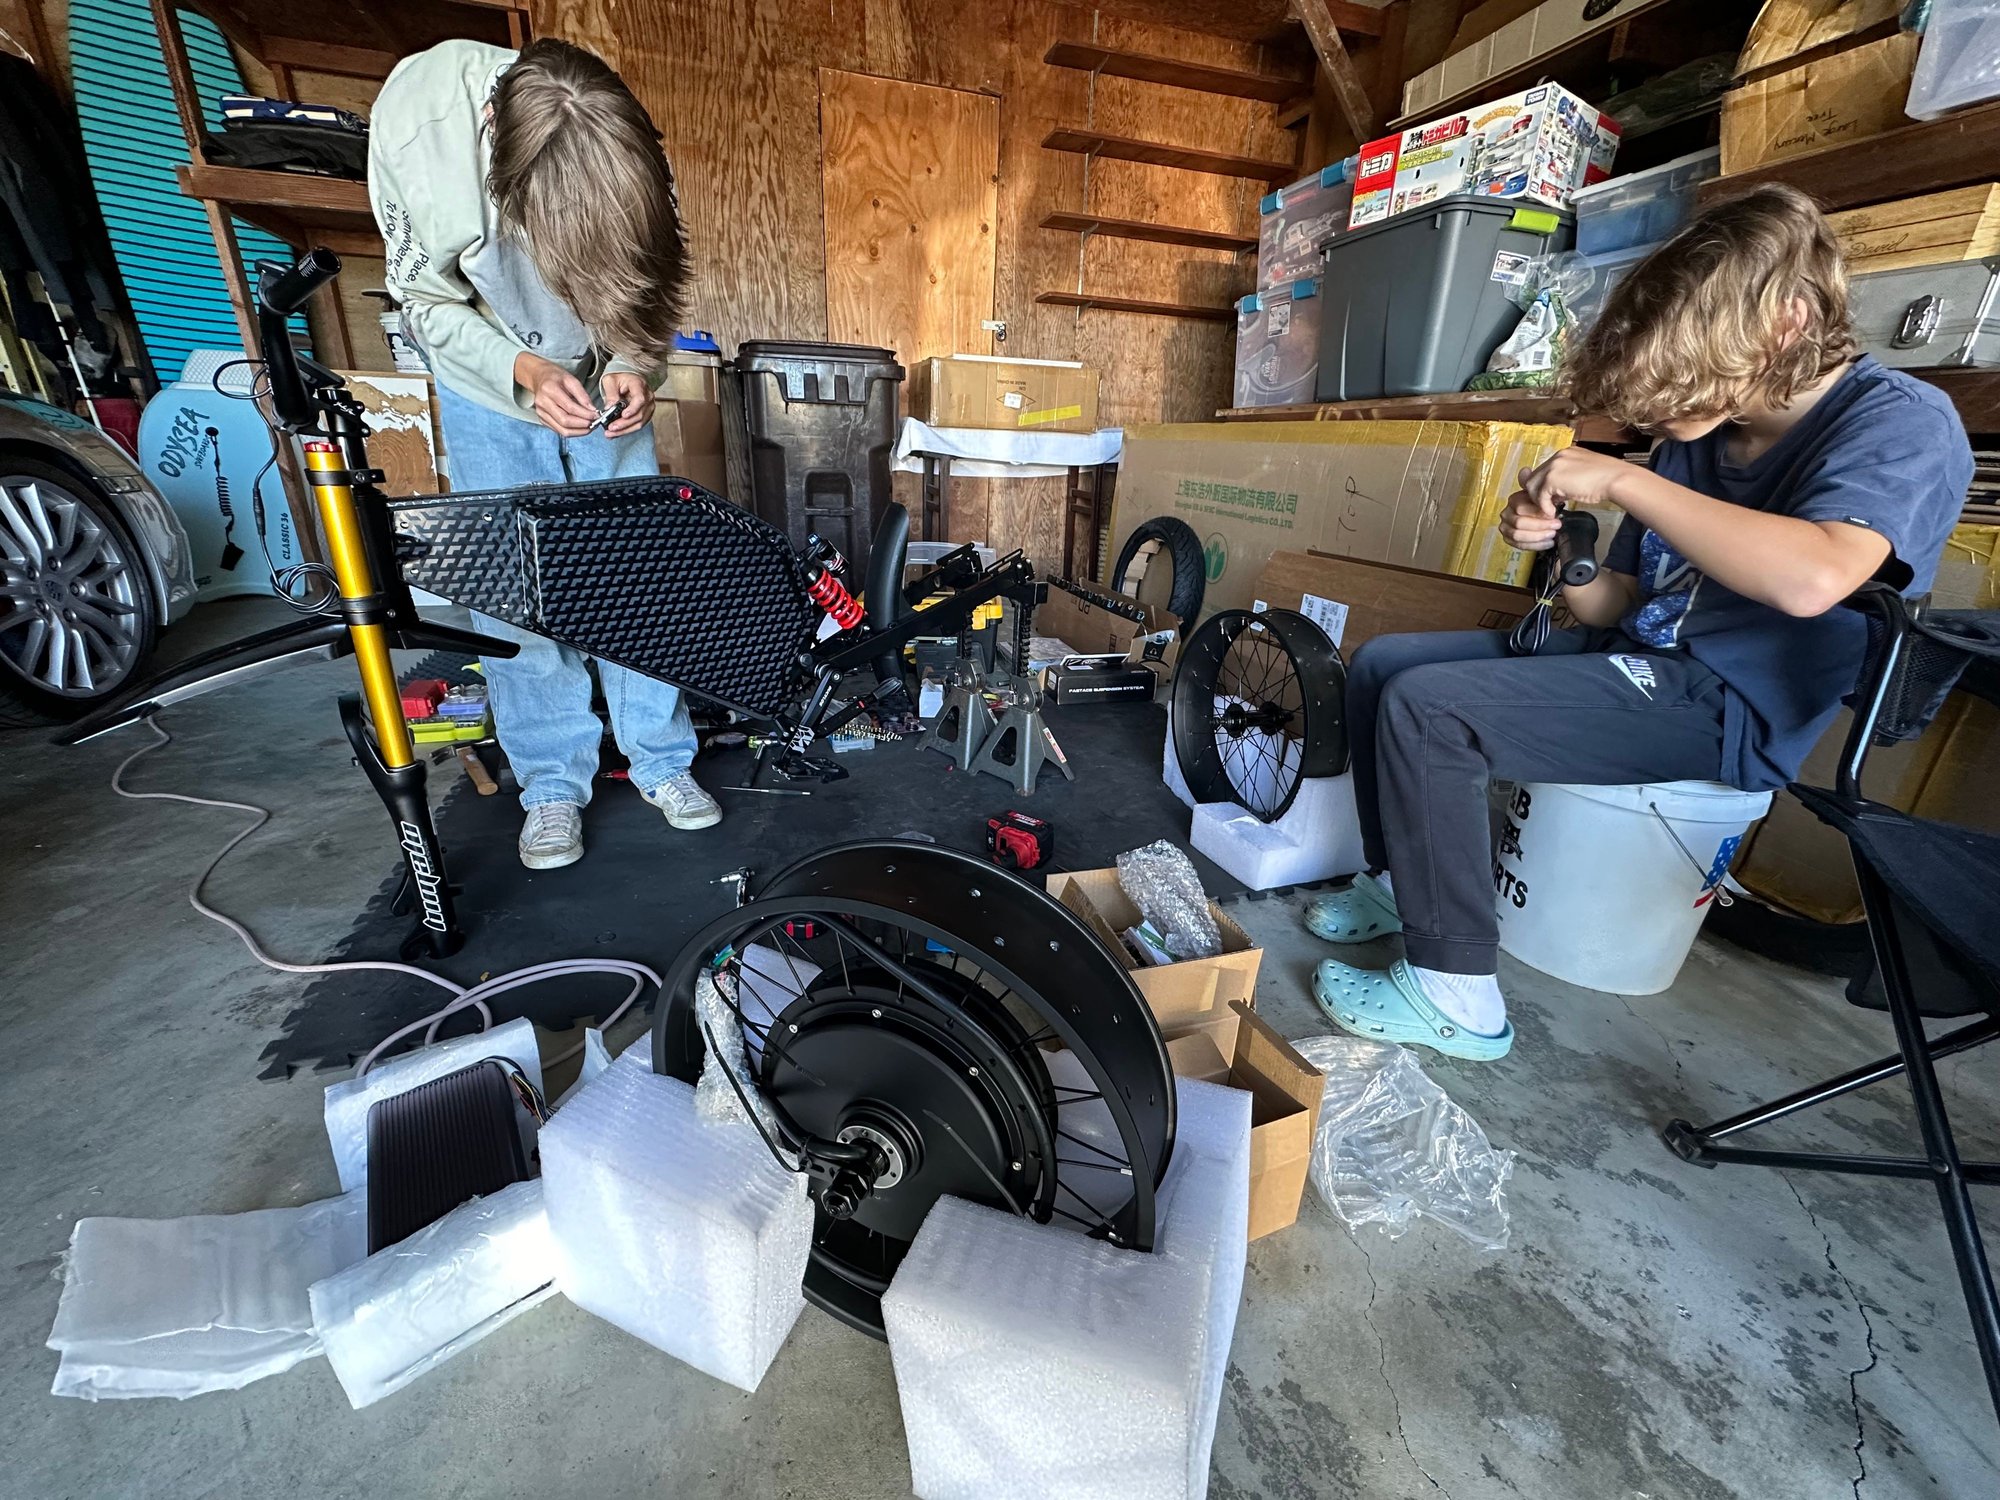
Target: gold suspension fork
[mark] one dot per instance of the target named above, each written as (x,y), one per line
(333,493)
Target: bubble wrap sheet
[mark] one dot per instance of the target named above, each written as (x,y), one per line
(1033,1361)
(180,1307)
(1162,883)
(1392,1145)
(684,1234)
(407,1309)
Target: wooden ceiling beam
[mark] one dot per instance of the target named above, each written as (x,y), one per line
(1323,27)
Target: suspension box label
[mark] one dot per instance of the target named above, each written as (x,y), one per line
(1093,681)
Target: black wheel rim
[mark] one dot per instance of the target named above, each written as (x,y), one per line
(1258,704)
(907,994)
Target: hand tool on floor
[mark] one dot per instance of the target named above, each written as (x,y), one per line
(769,791)
(475,768)
(1017,840)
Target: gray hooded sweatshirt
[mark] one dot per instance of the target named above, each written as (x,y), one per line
(471,296)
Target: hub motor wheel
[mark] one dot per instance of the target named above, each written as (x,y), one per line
(918,1022)
(1259,705)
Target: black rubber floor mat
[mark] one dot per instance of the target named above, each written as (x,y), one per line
(642,886)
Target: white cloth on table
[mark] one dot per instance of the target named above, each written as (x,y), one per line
(999,453)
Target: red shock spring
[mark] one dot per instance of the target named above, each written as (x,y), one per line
(831,595)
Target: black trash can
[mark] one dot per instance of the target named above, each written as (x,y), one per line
(822,423)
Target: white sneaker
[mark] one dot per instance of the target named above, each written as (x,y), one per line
(552,836)
(686,805)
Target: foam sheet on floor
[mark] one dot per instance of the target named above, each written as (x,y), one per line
(643,887)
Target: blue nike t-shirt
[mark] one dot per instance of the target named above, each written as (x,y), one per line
(1881,449)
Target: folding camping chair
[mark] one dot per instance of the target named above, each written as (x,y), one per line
(1931,892)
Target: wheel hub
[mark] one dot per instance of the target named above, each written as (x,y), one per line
(1240,719)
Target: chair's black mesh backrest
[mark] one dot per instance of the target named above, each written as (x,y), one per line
(1936,653)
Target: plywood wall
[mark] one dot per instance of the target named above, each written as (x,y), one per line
(735,91)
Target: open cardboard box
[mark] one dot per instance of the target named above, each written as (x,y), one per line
(1192,994)
(1284,1092)
(1204,1010)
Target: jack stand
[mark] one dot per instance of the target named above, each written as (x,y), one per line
(966,722)
(1019,745)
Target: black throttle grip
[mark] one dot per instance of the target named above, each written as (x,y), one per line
(285,289)
(1576,548)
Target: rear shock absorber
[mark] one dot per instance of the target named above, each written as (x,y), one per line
(831,595)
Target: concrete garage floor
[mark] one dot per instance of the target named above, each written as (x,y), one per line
(1654,1331)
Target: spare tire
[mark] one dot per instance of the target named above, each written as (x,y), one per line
(1190,567)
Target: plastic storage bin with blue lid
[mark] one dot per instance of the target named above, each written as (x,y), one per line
(1643,207)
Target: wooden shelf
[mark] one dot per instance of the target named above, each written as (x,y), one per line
(1128,305)
(1171,71)
(1154,234)
(1902,163)
(1449,406)
(1976,394)
(299,209)
(1153,153)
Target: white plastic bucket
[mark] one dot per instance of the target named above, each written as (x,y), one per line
(1606,886)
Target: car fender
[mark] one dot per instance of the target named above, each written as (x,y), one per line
(35,428)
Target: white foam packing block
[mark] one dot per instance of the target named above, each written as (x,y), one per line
(1032,1360)
(348,1102)
(1318,838)
(684,1233)
(410,1307)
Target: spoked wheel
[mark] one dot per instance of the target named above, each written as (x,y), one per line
(920,1023)
(1259,706)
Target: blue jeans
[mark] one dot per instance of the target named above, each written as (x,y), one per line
(541,698)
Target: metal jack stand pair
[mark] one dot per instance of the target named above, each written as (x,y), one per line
(1015,744)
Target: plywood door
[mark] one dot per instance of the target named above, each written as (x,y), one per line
(911,179)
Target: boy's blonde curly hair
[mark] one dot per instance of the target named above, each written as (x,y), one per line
(1706,323)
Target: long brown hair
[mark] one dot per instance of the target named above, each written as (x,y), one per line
(579,175)
(1706,323)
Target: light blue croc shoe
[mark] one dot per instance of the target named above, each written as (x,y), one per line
(1392,1007)
(1364,910)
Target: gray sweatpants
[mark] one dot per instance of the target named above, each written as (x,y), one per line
(1433,718)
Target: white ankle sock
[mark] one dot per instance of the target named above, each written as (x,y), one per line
(1387,885)
(1472,1000)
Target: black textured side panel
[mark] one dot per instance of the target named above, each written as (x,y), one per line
(656,574)
(433,1147)
(466,548)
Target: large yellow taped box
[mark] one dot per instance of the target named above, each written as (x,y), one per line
(1418,494)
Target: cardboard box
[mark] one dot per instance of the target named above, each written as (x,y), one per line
(1937,228)
(1285,1092)
(1537,146)
(1355,601)
(688,418)
(1194,995)
(1785,28)
(1084,683)
(976,390)
(1504,37)
(1420,494)
(1089,629)
(1294,222)
(1833,101)
(1277,345)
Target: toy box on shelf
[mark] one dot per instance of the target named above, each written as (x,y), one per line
(1539,145)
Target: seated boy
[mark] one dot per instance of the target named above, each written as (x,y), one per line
(1712,645)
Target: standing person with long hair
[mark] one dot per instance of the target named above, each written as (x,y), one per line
(534,240)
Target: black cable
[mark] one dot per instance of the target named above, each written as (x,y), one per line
(286,582)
